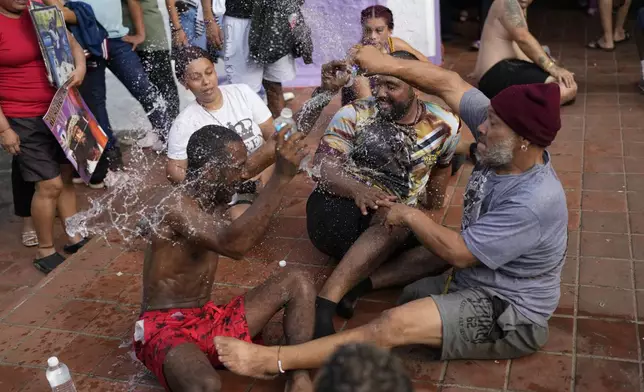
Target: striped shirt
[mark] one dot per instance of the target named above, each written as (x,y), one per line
(395,158)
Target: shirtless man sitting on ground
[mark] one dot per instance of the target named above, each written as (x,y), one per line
(174,336)
(510,55)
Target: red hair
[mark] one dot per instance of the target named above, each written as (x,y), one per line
(378,11)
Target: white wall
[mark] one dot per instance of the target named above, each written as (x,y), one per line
(415,23)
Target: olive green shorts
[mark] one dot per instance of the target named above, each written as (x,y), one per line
(477,324)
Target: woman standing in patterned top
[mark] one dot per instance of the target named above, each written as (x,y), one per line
(377,28)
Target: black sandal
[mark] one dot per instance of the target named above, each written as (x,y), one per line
(49,263)
(597,46)
(627,36)
(71,249)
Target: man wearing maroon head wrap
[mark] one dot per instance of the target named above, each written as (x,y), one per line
(507,259)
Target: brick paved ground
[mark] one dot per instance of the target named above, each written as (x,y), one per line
(84,311)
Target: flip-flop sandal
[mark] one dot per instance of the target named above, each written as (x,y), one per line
(49,263)
(627,36)
(596,46)
(29,238)
(71,249)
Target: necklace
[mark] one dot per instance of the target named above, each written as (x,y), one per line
(212,115)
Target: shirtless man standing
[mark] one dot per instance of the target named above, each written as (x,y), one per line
(174,336)
(510,55)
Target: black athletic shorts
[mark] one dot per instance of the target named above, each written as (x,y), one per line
(335,223)
(40,154)
(508,73)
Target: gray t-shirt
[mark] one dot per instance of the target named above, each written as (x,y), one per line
(516,226)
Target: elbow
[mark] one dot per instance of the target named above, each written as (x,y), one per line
(174,177)
(461,260)
(174,174)
(458,262)
(521,37)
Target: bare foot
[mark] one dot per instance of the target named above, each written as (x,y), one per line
(247,359)
(299,382)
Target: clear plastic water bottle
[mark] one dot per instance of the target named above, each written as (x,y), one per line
(58,376)
(285,118)
(353,74)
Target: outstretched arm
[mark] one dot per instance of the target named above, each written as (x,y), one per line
(242,234)
(425,76)
(513,20)
(445,243)
(335,75)
(401,44)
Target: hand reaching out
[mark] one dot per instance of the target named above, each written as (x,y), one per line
(335,75)
(397,213)
(289,153)
(370,59)
(368,197)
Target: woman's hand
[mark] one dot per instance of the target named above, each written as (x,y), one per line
(10,141)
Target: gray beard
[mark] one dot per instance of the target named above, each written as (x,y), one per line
(497,156)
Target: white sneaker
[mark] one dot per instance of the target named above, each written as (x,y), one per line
(159,146)
(113,179)
(78,180)
(99,185)
(148,140)
(289,96)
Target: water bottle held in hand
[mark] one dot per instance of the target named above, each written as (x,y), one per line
(285,118)
(353,71)
(58,376)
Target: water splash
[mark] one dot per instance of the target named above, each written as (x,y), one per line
(129,206)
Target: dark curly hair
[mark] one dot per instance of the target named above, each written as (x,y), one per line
(207,144)
(184,56)
(363,368)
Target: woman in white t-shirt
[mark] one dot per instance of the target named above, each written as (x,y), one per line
(234,106)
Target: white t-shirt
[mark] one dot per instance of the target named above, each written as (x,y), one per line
(243,110)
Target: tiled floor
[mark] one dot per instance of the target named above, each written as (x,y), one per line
(84,311)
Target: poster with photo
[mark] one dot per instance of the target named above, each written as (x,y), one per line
(76,130)
(54,43)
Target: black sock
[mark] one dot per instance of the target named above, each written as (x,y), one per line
(348,302)
(324,310)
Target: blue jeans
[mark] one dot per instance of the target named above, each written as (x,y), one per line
(127,67)
(188,21)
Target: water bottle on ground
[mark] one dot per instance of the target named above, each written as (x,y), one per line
(285,118)
(58,376)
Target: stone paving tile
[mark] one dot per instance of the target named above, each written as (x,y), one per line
(85,310)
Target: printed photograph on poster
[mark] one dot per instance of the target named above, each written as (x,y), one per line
(54,44)
(76,130)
